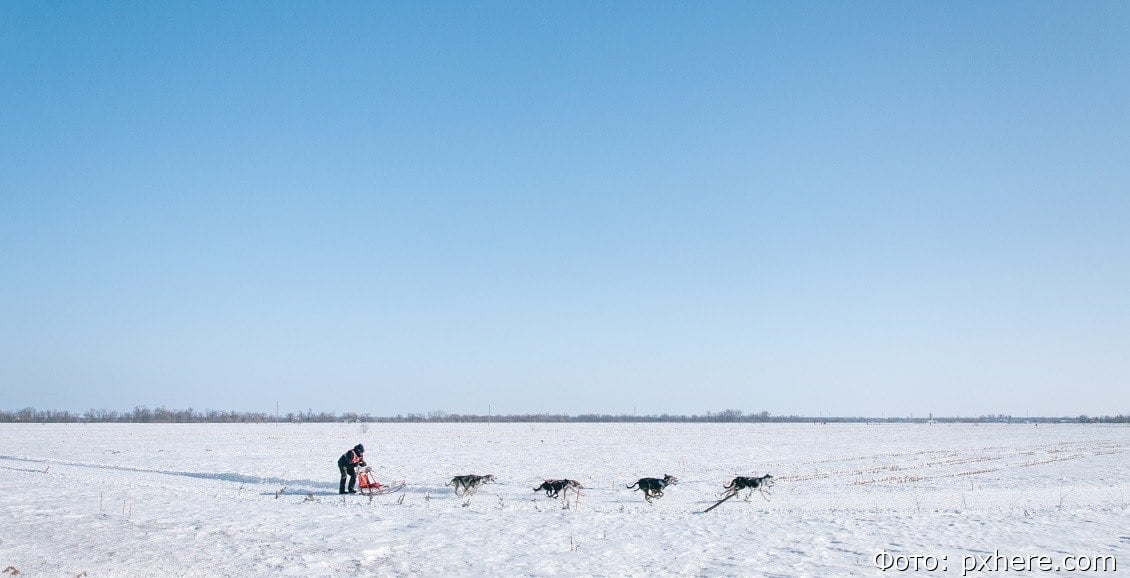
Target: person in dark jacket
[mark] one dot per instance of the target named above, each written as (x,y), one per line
(348,464)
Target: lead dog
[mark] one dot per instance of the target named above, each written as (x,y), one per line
(554,487)
(653,487)
(469,484)
(762,484)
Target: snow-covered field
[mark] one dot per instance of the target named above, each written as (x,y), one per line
(144,500)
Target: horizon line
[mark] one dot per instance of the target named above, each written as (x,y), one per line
(144,414)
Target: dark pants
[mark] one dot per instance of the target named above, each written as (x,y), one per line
(351,472)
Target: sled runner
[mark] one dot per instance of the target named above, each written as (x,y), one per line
(369,486)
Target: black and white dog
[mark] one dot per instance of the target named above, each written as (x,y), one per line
(467,485)
(554,487)
(653,487)
(762,484)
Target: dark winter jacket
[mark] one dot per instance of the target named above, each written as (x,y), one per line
(351,459)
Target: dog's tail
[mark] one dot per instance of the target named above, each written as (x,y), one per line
(630,486)
(733,484)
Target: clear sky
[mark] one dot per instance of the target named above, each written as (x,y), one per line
(871,208)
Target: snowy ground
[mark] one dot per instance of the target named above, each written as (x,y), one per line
(141,500)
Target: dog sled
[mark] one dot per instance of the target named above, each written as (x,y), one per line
(369,486)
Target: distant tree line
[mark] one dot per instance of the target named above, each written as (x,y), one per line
(143,414)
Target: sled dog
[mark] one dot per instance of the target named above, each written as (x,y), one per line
(653,487)
(762,484)
(466,485)
(554,487)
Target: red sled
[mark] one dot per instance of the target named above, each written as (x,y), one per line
(369,486)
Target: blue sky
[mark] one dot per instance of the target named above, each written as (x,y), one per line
(814,208)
